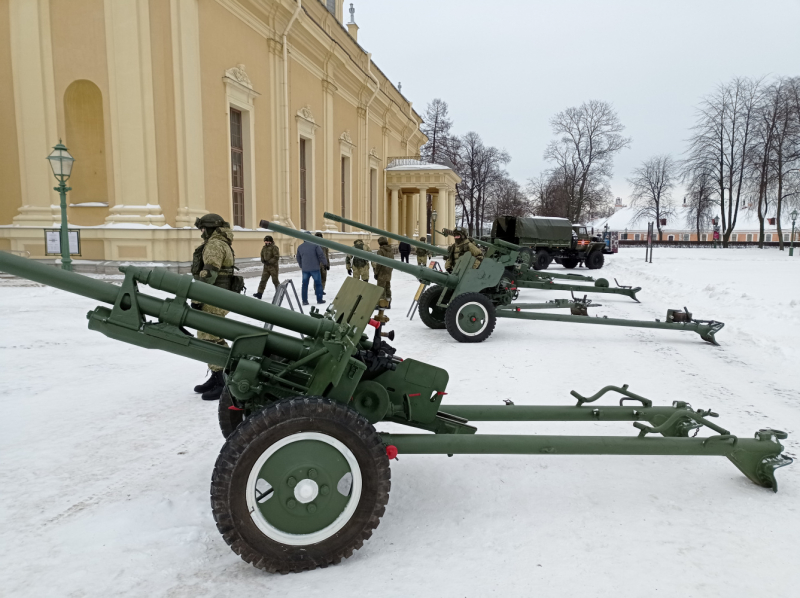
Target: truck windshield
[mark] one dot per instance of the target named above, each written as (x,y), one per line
(581,230)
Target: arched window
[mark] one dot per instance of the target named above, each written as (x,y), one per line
(85,138)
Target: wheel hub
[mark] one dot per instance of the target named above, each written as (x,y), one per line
(304,488)
(472,318)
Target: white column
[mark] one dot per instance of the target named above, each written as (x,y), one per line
(451,208)
(188,111)
(442,213)
(35,110)
(422,212)
(276,139)
(404,217)
(393,209)
(133,133)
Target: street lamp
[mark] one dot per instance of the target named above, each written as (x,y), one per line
(794,219)
(433,217)
(61,163)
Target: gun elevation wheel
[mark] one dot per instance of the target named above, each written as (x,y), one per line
(569,262)
(300,485)
(595,260)
(431,314)
(470,318)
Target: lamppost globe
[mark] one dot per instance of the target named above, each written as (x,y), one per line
(433,218)
(794,215)
(61,162)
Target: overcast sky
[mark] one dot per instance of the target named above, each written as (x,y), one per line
(505,67)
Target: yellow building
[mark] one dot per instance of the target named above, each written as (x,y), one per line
(174,108)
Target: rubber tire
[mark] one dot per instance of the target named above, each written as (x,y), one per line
(569,262)
(257,434)
(595,260)
(428,311)
(526,256)
(228,420)
(541,260)
(452,310)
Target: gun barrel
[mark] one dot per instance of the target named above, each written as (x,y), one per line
(280,344)
(421,272)
(432,248)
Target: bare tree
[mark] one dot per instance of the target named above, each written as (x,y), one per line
(700,207)
(652,184)
(506,198)
(767,116)
(785,152)
(589,136)
(436,126)
(722,142)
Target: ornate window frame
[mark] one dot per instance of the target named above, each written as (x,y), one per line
(240,95)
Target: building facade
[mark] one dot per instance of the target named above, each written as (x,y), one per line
(252,109)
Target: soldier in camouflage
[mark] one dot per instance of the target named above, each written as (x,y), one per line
(356,267)
(461,246)
(383,274)
(323,268)
(270,256)
(213,264)
(422,256)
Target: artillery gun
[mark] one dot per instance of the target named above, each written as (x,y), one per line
(303,477)
(468,301)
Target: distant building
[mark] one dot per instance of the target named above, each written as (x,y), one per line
(677,228)
(172,109)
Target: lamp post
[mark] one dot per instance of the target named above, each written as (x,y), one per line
(794,219)
(433,217)
(61,163)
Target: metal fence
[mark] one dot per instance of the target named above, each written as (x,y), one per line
(710,244)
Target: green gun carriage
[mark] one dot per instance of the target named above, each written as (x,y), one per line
(303,477)
(468,301)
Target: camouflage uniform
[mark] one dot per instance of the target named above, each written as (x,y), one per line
(217,258)
(270,256)
(383,274)
(356,265)
(323,268)
(422,256)
(459,248)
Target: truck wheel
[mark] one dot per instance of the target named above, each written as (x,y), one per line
(299,485)
(595,260)
(541,260)
(470,318)
(229,419)
(431,314)
(569,262)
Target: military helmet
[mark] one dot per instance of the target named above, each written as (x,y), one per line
(318,234)
(210,221)
(269,238)
(460,231)
(383,241)
(358,242)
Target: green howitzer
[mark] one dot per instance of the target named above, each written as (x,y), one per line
(303,477)
(526,276)
(468,301)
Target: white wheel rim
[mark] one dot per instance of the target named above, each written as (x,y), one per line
(318,536)
(485,318)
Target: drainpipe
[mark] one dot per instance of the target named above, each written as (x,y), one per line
(286,180)
(366,135)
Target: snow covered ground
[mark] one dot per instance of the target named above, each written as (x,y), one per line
(106,455)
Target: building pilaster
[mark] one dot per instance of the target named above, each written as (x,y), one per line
(329,152)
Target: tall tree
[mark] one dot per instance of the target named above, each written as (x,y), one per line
(589,137)
(436,125)
(700,207)
(652,184)
(722,141)
(506,198)
(785,152)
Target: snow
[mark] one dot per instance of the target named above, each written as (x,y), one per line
(107,455)
(420,166)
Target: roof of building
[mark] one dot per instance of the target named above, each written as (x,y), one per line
(746,220)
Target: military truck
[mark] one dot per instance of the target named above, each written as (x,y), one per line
(548,239)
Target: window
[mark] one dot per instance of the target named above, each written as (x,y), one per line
(237,168)
(345,188)
(734,237)
(704,237)
(686,237)
(749,237)
(624,236)
(671,238)
(373,188)
(786,237)
(769,238)
(331,6)
(636,237)
(303,184)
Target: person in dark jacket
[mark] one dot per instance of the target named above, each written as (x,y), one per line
(310,258)
(405,250)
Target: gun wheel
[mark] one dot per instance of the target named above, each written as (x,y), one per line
(299,485)
(431,314)
(470,318)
